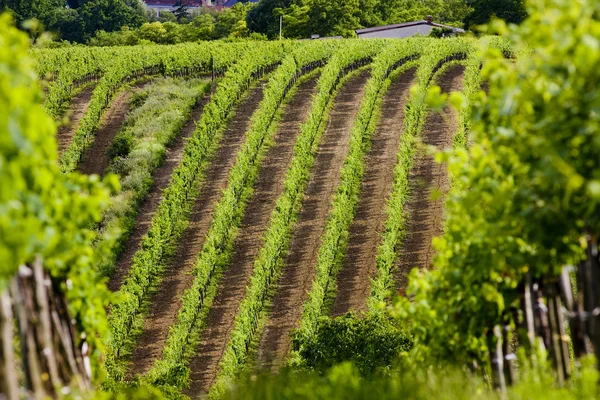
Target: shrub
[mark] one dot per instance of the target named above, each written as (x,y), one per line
(372,343)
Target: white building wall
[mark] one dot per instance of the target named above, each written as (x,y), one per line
(398,33)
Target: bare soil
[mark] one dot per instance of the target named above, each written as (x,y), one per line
(75,113)
(425,214)
(354,279)
(162,180)
(167,301)
(299,270)
(95,159)
(232,287)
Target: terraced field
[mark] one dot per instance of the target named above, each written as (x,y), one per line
(296,184)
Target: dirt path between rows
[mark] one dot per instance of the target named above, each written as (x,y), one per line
(354,279)
(167,301)
(148,207)
(76,112)
(299,270)
(424,215)
(232,287)
(95,159)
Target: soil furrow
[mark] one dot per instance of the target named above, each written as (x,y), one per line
(95,159)
(354,279)
(167,301)
(232,286)
(148,207)
(299,269)
(77,110)
(424,213)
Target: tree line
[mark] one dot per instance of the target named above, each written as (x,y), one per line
(129,22)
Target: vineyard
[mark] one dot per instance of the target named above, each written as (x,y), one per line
(204,211)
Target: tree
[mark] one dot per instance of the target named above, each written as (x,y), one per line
(453,11)
(154,32)
(22,10)
(65,24)
(264,17)
(181,11)
(204,24)
(81,20)
(106,15)
(444,11)
(371,13)
(512,11)
(232,21)
(322,17)
(303,18)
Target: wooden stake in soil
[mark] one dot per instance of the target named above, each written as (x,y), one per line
(49,354)
(8,382)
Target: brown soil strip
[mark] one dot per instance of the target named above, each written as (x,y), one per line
(354,279)
(148,207)
(299,270)
(77,110)
(178,277)
(95,159)
(425,215)
(232,287)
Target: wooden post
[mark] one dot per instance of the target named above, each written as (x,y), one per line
(23,304)
(575,307)
(49,355)
(559,350)
(527,306)
(45,323)
(496,358)
(540,313)
(8,378)
(593,286)
(510,358)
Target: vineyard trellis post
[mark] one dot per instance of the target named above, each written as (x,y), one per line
(546,304)
(52,356)
(591,286)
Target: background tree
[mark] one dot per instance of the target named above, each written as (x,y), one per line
(328,18)
(204,24)
(322,17)
(181,11)
(232,21)
(154,32)
(106,15)
(22,10)
(447,11)
(512,11)
(453,12)
(81,20)
(264,17)
(371,13)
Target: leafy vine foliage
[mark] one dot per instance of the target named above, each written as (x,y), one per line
(170,219)
(268,264)
(527,189)
(524,168)
(44,213)
(371,343)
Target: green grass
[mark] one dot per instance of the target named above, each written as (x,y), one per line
(157,117)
